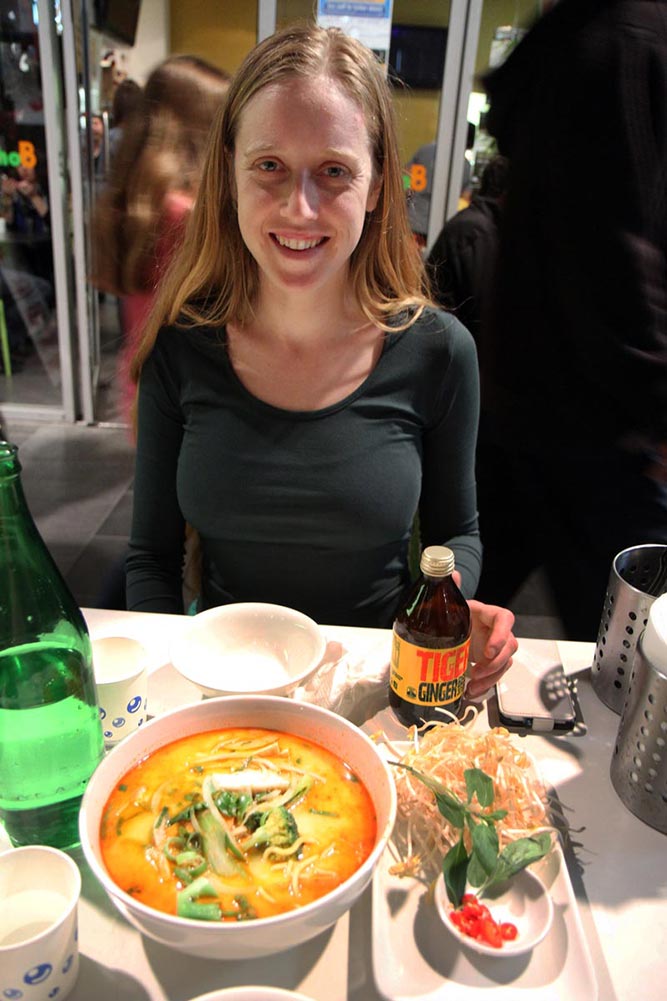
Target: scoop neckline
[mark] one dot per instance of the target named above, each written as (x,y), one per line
(391,337)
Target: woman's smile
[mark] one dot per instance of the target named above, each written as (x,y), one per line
(298,243)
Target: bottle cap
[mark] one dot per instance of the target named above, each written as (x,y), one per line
(437,561)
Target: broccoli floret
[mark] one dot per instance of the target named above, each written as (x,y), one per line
(232,804)
(253,820)
(277,828)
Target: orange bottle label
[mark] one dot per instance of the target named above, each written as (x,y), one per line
(428,677)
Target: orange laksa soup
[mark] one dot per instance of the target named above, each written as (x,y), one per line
(236,824)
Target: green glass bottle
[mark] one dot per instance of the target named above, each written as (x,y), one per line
(50,733)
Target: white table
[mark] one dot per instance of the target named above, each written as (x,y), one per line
(619,873)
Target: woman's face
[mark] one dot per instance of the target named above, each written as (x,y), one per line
(304,181)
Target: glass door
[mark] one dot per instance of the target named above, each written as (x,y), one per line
(36,347)
(486,30)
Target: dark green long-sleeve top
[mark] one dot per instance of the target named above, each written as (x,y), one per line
(311,509)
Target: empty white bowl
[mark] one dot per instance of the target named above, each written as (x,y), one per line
(263,936)
(523,900)
(248,647)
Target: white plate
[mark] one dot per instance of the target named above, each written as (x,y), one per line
(415,959)
(252,994)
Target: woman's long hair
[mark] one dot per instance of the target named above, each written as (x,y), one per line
(214,278)
(161,150)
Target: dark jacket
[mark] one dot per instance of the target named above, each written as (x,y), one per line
(579,340)
(462,261)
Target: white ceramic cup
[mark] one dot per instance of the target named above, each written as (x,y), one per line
(121,676)
(39,951)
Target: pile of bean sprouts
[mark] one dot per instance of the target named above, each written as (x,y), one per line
(422,836)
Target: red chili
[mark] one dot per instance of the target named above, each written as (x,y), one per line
(491,933)
(474,920)
(508,931)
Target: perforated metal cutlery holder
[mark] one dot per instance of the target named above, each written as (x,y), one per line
(624,616)
(639,762)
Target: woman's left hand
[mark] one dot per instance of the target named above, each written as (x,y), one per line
(492,646)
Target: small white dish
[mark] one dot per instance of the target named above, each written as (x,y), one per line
(248,648)
(523,900)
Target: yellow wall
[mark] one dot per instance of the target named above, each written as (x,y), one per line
(288,11)
(224,32)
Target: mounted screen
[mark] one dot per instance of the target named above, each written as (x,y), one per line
(417,55)
(117,18)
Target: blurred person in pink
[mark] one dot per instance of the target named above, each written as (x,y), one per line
(141,214)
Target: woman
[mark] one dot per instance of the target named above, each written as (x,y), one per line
(299,398)
(154,175)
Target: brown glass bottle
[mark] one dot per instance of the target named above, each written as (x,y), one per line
(431,644)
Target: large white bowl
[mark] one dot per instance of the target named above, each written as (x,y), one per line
(243,940)
(248,647)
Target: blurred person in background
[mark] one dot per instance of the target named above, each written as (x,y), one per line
(97,143)
(25,208)
(572,459)
(462,261)
(126,99)
(141,214)
(299,396)
(27,216)
(420,169)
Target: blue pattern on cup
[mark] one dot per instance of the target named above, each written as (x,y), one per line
(38,974)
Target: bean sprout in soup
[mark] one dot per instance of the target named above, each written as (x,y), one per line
(236,824)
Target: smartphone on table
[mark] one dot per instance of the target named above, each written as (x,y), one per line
(534,694)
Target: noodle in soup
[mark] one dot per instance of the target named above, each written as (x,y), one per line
(236,824)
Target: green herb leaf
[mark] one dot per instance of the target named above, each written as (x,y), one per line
(517,855)
(479,784)
(494,815)
(476,874)
(455,871)
(485,847)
